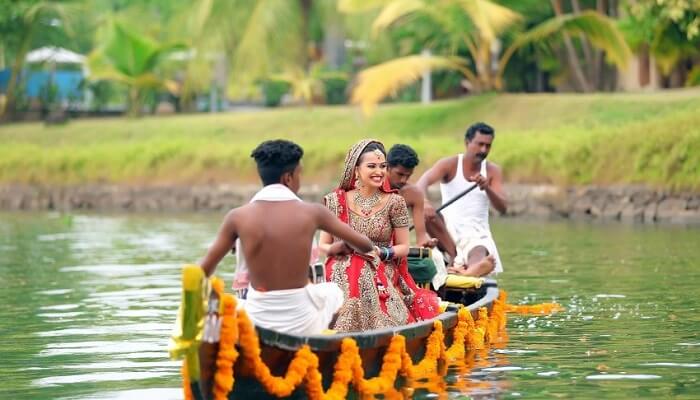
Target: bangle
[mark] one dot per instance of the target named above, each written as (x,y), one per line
(383,253)
(386,253)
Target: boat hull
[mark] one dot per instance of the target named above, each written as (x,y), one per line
(278,349)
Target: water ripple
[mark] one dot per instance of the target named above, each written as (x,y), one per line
(156,393)
(100,377)
(612,377)
(91,304)
(670,364)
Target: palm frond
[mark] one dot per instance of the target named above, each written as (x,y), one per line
(383,80)
(693,77)
(489,18)
(203,11)
(394,11)
(68,13)
(360,6)
(129,58)
(599,29)
(100,68)
(128,51)
(270,41)
(669,47)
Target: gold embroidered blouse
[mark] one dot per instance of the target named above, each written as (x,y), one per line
(380,225)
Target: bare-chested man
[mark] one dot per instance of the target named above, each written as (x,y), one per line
(402,160)
(276,230)
(467,219)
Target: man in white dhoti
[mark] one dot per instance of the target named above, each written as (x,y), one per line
(276,230)
(467,219)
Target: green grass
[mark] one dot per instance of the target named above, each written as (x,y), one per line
(565,139)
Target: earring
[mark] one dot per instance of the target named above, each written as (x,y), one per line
(358,182)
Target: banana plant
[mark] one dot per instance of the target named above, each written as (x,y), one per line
(134,60)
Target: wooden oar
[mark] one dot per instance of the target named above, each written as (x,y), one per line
(452,200)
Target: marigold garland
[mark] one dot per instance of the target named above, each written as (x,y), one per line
(348,368)
(459,336)
(227,355)
(186,388)
(468,334)
(544,308)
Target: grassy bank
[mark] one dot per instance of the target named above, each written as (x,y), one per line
(565,139)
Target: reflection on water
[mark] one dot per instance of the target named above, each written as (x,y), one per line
(88,303)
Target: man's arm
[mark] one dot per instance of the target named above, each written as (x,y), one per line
(225,239)
(331,224)
(414,200)
(495,190)
(435,174)
(432,175)
(493,186)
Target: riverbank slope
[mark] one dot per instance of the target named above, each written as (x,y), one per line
(562,139)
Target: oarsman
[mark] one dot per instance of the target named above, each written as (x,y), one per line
(276,230)
(467,219)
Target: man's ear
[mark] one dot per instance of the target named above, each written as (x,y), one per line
(286,178)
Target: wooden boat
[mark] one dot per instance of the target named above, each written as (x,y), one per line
(278,349)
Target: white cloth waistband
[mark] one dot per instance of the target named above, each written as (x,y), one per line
(301,311)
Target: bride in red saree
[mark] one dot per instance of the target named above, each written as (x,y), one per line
(379,291)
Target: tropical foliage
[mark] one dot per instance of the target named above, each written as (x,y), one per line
(668,29)
(477,28)
(131,59)
(260,40)
(367,51)
(20,23)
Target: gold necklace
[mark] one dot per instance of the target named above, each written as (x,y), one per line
(366,204)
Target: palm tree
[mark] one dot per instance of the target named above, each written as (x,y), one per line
(308,86)
(668,31)
(133,60)
(482,22)
(259,40)
(30,19)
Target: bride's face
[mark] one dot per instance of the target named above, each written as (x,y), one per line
(371,169)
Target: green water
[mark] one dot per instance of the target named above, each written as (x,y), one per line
(87,304)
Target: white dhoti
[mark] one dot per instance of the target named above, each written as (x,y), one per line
(469,236)
(440,269)
(303,311)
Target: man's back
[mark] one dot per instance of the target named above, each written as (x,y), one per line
(276,238)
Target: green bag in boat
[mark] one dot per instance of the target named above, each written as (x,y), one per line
(421,269)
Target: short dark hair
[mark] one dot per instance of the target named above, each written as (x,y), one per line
(369,148)
(480,127)
(275,158)
(403,155)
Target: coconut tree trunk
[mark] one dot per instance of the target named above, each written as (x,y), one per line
(134,109)
(574,63)
(483,66)
(644,72)
(587,49)
(17,66)
(333,43)
(596,77)
(305,6)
